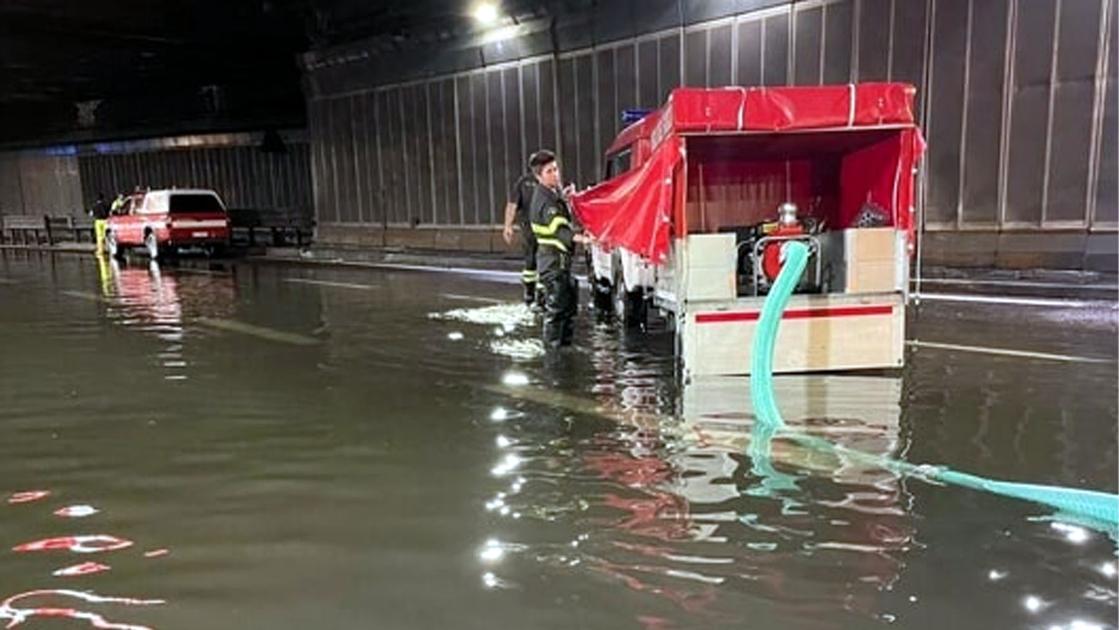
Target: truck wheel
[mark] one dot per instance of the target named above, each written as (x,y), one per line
(630,307)
(827,279)
(637,313)
(602,297)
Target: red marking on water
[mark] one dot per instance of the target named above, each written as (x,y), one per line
(17,616)
(84,568)
(636,472)
(659,515)
(76,511)
(691,601)
(78,544)
(28,496)
(156,553)
(653,623)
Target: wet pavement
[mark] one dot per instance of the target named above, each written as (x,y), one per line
(278,446)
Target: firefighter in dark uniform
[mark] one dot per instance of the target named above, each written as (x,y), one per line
(517,211)
(556,235)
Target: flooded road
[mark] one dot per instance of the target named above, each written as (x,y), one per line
(255,446)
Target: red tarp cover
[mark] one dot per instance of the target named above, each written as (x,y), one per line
(785,108)
(634,210)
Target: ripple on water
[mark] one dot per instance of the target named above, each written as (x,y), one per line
(506,316)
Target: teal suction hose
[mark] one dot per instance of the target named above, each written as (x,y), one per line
(1099,507)
(794,258)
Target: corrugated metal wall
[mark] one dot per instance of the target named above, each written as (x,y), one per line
(1020,90)
(1017,98)
(39,184)
(434,153)
(243,175)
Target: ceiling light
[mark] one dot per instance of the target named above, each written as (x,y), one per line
(485,13)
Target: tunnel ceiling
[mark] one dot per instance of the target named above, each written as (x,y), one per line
(150,62)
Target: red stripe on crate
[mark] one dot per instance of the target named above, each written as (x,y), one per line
(803,313)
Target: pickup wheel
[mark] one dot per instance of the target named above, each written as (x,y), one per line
(217,250)
(112,247)
(151,245)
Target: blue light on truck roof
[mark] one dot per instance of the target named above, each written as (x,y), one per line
(630,116)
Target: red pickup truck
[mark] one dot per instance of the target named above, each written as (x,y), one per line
(163,221)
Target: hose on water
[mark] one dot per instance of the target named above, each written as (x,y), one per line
(1098,507)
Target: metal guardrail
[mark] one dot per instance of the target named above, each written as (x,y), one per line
(280,226)
(25,229)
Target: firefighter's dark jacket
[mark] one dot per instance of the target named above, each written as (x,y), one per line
(555,228)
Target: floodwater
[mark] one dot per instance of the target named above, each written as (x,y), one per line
(254,446)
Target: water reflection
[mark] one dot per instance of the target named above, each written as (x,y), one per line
(379,465)
(28,496)
(40,603)
(156,296)
(91,543)
(146,299)
(158,301)
(684,506)
(17,612)
(85,568)
(76,511)
(686,497)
